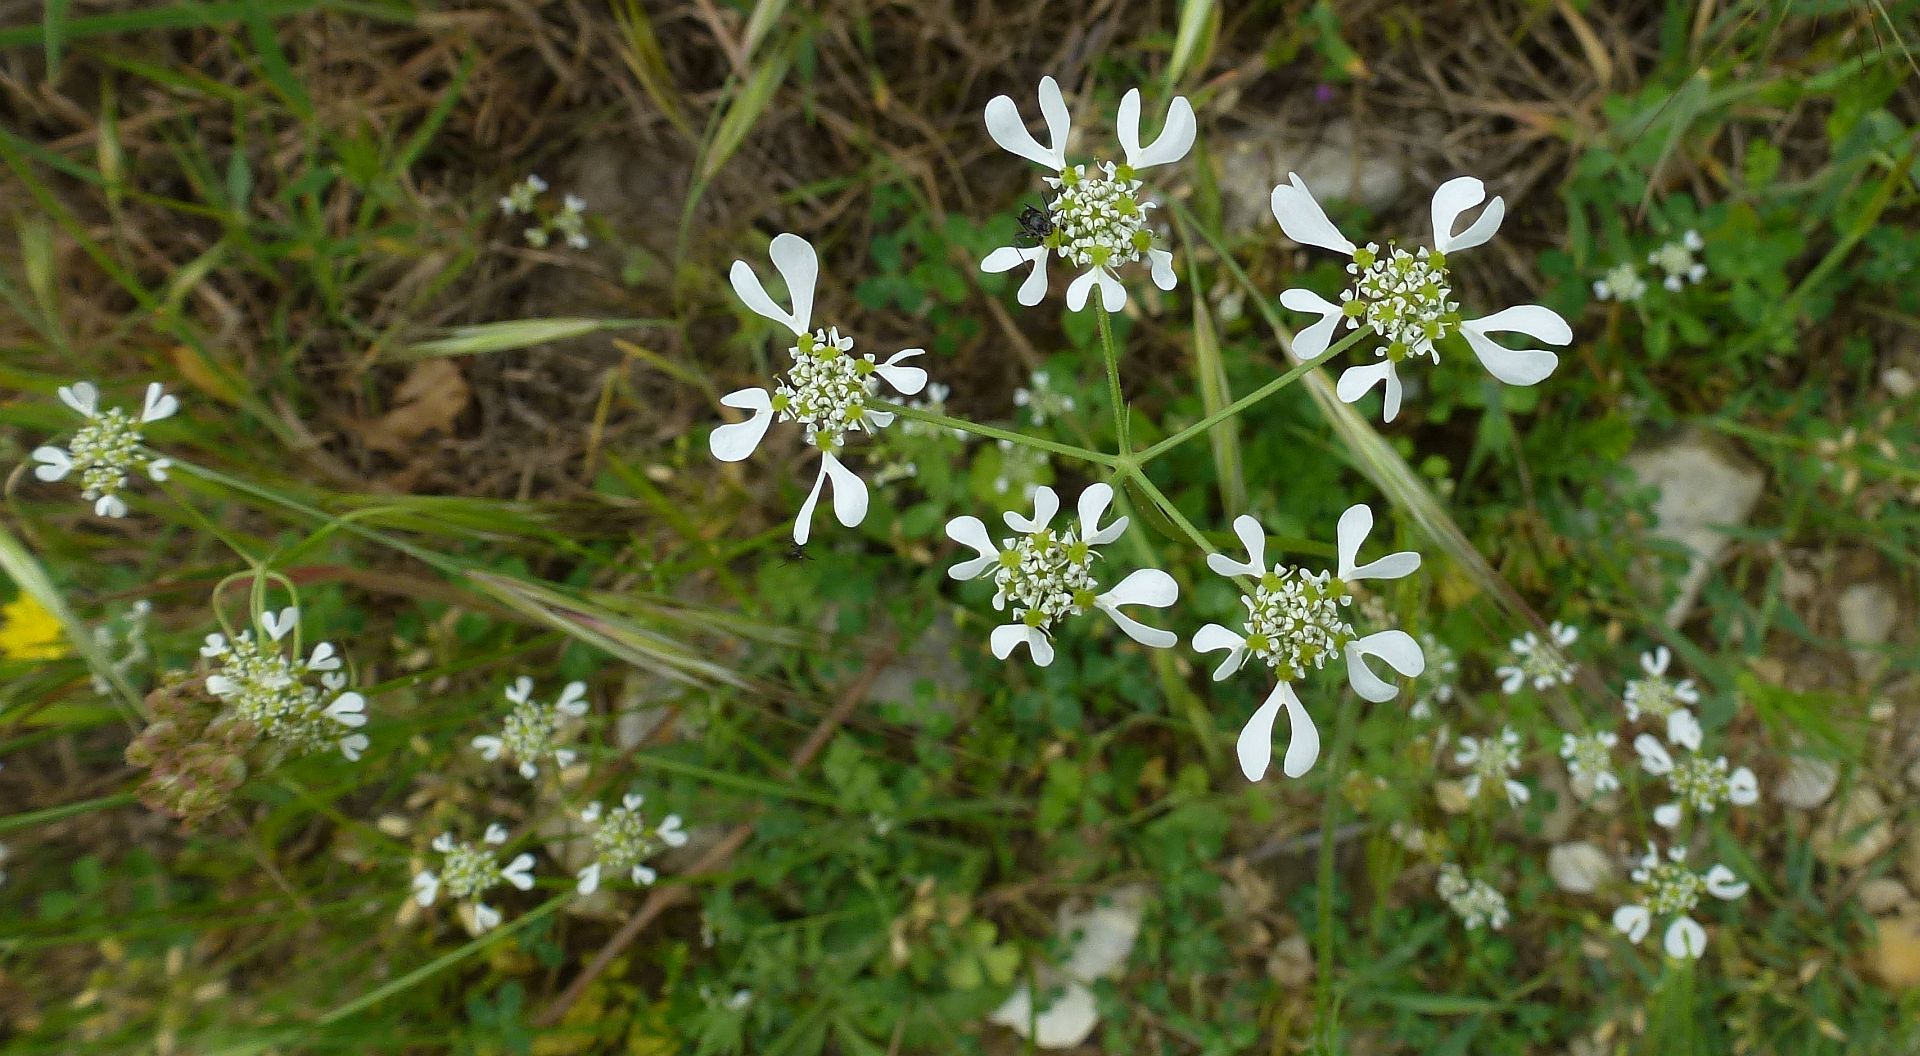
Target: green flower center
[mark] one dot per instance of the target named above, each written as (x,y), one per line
(1098,218)
(1047,576)
(1295,620)
(1404,298)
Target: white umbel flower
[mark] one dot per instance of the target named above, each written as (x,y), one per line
(1406,296)
(1679,261)
(1667,888)
(468,871)
(1589,759)
(276,690)
(1096,219)
(106,450)
(1661,699)
(1492,762)
(623,841)
(1298,620)
(1696,782)
(826,389)
(1046,575)
(1477,903)
(532,729)
(1622,283)
(1544,664)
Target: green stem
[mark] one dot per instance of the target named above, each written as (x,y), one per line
(1068,450)
(1112,356)
(1236,407)
(1323,999)
(1167,507)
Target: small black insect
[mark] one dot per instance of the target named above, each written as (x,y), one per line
(1035,224)
(798,552)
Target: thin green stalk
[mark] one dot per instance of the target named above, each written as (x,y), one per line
(1323,998)
(1167,507)
(1236,407)
(1112,356)
(1067,450)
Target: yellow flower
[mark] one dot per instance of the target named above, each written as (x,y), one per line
(29,632)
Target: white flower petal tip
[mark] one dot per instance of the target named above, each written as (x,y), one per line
(1355,525)
(519,872)
(278,625)
(1046,503)
(1313,342)
(54,465)
(849,498)
(1667,815)
(1302,219)
(908,380)
(426,888)
(1685,939)
(1357,380)
(1254,538)
(1173,143)
(485,917)
(1008,130)
(1147,586)
(799,266)
(158,404)
(1722,884)
(1255,744)
(349,710)
(737,440)
(1633,921)
(1400,650)
(1161,262)
(1008,637)
(971,532)
(1211,639)
(1455,197)
(589,879)
(82,397)
(1092,506)
(1526,366)
(1033,289)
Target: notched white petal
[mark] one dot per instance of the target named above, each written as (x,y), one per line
(1093,505)
(1400,650)
(1455,197)
(1173,142)
(1009,130)
(1355,381)
(1303,220)
(907,380)
(1147,586)
(1046,503)
(54,465)
(1007,637)
(1313,342)
(970,531)
(737,440)
(1254,538)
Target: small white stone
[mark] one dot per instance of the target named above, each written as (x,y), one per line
(1867,613)
(1579,867)
(1883,894)
(1702,490)
(1899,382)
(1807,783)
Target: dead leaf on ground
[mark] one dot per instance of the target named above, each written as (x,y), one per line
(432,396)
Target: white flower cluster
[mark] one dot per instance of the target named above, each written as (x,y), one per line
(1669,888)
(1041,400)
(1048,575)
(1589,759)
(532,730)
(1295,623)
(827,390)
(468,871)
(1406,299)
(107,450)
(276,690)
(569,221)
(1677,261)
(623,840)
(1491,763)
(1097,220)
(1544,664)
(1477,903)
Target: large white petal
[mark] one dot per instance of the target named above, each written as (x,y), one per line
(803,524)
(1161,261)
(1213,638)
(1176,134)
(1093,505)
(1528,366)
(1007,128)
(1685,938)
(1683,729)
(1146,586)
(54,465)
(82,397)
(1034,289)
(1742,788)
(969,531)
(1113,293)
(1254,538)
(1653,755)
(1312,342)
(1355,524)
(907,380)
(1007,637)
(1078,289)
(1255,744)
(1634,921)
(1067,1022)
(849,491)
(1046,503)
(1399,649)
(159,404)
(1721,883)
(794,258)
(1456,196)
(736,440)
(1355,381)
(1302,218)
